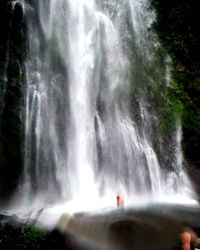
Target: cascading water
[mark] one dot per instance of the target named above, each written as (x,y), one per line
(91,123)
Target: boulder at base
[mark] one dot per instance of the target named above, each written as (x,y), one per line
(152,227)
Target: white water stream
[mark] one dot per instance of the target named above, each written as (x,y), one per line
(91,124)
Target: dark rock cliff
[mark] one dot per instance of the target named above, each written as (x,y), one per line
(12,86)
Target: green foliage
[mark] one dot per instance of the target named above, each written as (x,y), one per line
(172,112)
(178,28)
(189,83)
(32,236)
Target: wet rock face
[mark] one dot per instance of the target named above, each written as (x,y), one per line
(12,83)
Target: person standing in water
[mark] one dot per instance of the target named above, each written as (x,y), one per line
(120,201)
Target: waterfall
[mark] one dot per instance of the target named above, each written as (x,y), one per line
(92,126)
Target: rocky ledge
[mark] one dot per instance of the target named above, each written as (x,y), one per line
(17,235)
